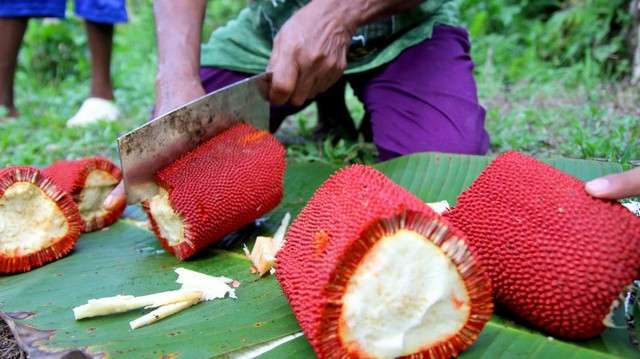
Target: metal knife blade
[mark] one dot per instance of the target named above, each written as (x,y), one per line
(158,143)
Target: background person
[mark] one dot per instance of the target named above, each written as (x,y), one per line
(100,17)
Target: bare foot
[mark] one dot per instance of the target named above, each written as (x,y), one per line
(8,114)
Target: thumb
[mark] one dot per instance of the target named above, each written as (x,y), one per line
(616,186)
(115,198)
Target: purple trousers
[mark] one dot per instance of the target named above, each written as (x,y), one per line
(425,100)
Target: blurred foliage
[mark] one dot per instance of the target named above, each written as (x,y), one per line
(57,50)
(548,72)
(518,35)
(218,12)
(551,75)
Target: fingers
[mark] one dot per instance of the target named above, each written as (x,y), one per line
(116,197)
(303,90)
(295,85)
(284,80)
(617,186)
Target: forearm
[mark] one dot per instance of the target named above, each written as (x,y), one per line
(178,29)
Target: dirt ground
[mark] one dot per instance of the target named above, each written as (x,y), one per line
(8,346)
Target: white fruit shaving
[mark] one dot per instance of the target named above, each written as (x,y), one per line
(125,303)
(440,207)
(257,350)
(211,287)
(263,254)
(196,287)
(161,313)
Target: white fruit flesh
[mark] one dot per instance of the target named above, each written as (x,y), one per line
(405,296)
(97,187)
(169,222)
(29,220)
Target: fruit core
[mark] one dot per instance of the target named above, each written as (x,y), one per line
(29,220)
(406,295)
(168,221)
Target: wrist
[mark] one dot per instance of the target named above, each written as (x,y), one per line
(177,73)
(177,88)
(175,80)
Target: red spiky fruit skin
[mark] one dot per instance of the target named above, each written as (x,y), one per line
(221,186)
(558,258)
(17,263)
(70,176)
(328,235)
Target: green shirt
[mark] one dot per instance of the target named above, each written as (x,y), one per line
(244,44)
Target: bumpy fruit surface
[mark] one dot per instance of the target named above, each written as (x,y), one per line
(219,187)
(558,258)
(39,223)
(89,181)
(372,271)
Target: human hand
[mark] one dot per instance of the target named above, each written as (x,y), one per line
(116,198)
(616,186)
(309,53)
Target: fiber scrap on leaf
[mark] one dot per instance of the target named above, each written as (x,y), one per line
(263,254)
(195,288)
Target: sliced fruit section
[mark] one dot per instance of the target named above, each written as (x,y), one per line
(558,258)
(222,185)
(372,271)
(39,223)
(89,181)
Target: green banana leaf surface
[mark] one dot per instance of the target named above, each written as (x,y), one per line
(126,259)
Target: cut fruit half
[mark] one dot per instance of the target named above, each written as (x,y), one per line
(89,181)
(219,187)
(39,223)
(372,271)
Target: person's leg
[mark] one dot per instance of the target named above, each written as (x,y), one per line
(100,38)
(334,118)
(214,78)
(12,30)
(100,17)
(425,100)
(14,16)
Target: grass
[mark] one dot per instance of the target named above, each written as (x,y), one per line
(553,111)
(590,119)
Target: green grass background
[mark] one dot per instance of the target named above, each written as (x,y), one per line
(551,75)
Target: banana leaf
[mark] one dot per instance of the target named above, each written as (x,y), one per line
(127,259)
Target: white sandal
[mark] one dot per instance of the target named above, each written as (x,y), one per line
(94,109)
